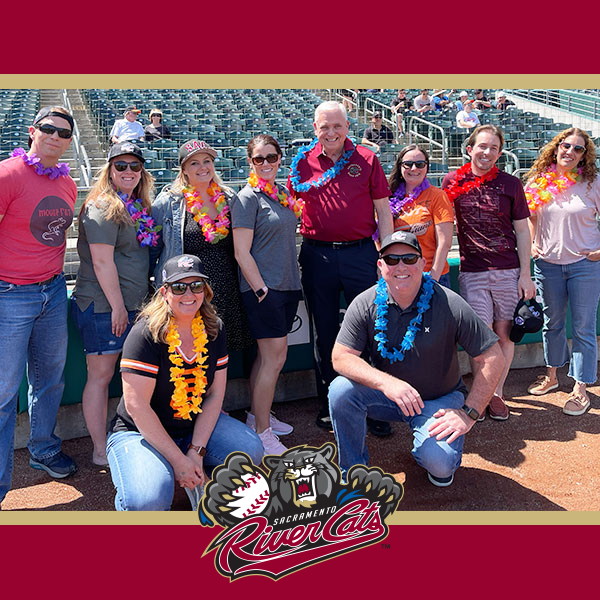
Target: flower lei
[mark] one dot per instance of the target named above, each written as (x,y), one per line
(544,188)
(59,170)
(455,189)
(278,193)
(214,230)
(181,403)
(328,176)
(147,232)
(381,321)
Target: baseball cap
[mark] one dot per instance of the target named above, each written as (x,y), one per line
(377,115)
(500,94)
(48,112)
(122,148)
(527,319)
(463,94)
(133,109)
(401,237)
(192,147)
(182,266)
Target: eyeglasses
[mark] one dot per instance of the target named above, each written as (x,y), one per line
(63,133)
(270,158)
(408,164)
(179,288)
(576,148)
(393,259)
(121,165)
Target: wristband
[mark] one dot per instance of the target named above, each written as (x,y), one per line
(199,450)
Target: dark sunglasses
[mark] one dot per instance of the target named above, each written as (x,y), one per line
(270,158)
(408,164)
(179,288)
(393,259)
(576,148)
(122,165)
(65,134)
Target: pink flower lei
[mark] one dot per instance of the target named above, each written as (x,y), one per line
(213,230)
(59,170)
(547,185)
(278,193)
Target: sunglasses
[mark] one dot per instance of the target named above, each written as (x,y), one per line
(576,148)
(65,134)
(121,165)
(393,259)
(270,158)
(408,164)
(179,288)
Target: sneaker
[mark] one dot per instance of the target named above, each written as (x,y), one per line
(324,421)
(440,481)
(195,495)
(481,416)
(497,408)
(58,466)
(379,428)
(542,385)
(271,443)
(576,405)
(278,427)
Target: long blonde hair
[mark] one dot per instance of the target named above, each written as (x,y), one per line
(158,315)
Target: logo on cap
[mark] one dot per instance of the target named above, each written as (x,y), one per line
(196,145)
(185,262)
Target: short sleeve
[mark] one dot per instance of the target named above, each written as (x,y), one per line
(244,209)
(220,349)
(141,355)
(441,209)
(354,330)
(378,184)
(98,229)
(520,210)
(6,188)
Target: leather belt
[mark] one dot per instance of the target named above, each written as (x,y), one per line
(337,245)
(49,280)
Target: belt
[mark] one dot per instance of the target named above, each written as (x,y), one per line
(49,280)
(337,245)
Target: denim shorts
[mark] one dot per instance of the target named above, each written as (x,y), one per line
(95,329)
(273,317)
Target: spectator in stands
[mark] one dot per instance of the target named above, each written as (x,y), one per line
(494,243)
(422,103)
(128,128)
(337,224)
(350,100)
(264,219)
(37,198)
(422,209)
(563,191)
(377,134)
(399,105)
(156,130)
(440,100)
(466,118)
(502,102)
(421,383)
(170,428)
(481,101)
(115,231)
(194,212)
(460,103)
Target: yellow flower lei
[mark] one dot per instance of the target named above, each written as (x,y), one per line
(180,402)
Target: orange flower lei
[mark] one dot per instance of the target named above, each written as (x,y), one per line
(277,193)
(180,402)
(218,229)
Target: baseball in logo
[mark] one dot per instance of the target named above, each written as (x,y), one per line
(298,514)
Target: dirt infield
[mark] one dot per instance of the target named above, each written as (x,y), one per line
(540,459)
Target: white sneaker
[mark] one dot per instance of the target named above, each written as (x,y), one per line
(271,442)
(278,427)
(195,495)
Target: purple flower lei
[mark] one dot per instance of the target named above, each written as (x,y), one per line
(59,170)
(147,233)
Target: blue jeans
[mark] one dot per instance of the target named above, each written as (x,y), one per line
(350,403)
(445,280)
(143,477)
(577,285)
(33,325)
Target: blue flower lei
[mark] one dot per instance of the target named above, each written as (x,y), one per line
(328,176)
(147,233)
(381,321)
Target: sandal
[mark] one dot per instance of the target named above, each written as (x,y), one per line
(576,405)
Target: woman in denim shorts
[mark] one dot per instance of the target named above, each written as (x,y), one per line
(115,231)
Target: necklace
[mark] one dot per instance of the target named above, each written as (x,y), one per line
(279,194)
(59,170)
(213,230)
(181,402)
(401,201)
(328,176)
(147,232)
(381,321)
(455,189)
(544,188)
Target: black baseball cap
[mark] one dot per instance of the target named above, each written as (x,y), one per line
(192,147)
(528,318)
(401,237)
(182,266)
(122,148)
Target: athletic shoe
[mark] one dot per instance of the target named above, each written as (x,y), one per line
(576,405)
(271,443)
(58,466)
(379,428)
(278,427)
(324,421)
(195,495)
(497,408)
(542,385)
(440,481)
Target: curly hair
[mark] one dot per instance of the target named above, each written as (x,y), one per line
(395,178)
(548,153)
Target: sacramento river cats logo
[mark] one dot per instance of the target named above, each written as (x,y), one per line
(297,515)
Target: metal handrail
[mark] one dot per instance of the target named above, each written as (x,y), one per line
(441,144)
(580,103)
(371,105)
(81,158)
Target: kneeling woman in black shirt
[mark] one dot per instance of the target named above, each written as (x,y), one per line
(169,423)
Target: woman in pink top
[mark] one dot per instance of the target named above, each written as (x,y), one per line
(563,193)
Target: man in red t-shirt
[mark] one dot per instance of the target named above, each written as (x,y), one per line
(343,187)
(37,198)
(494,243)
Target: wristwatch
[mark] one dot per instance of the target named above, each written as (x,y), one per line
(471,412)
(260,293)
(200,450)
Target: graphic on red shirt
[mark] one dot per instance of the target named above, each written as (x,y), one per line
(50,220)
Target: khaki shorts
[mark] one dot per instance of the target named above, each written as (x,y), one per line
(493,295)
